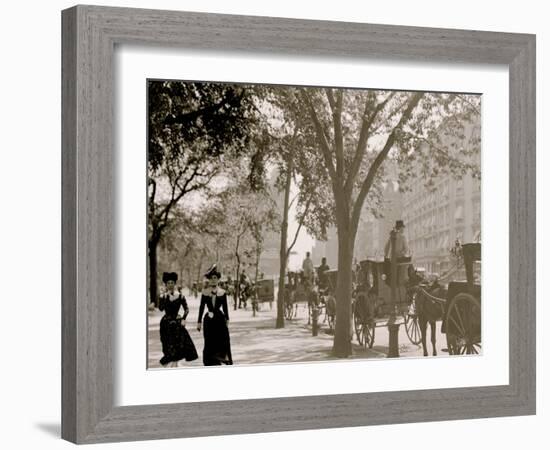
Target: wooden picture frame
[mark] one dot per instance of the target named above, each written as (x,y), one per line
(89,37)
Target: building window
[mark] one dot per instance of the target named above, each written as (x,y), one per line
(459,214)
(459,187)
(476,206)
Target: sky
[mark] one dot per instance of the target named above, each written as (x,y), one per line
(304,243)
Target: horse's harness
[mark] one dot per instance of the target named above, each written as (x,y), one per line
(430,296)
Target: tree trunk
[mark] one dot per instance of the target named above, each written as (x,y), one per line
(153,288)
(344,288)
(257,262)
(199,270)
(238,274)
(237,284)
(281,292)
(283,253)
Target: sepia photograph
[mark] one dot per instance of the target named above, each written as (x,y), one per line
(298,224)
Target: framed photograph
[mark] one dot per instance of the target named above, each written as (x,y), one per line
(278,224)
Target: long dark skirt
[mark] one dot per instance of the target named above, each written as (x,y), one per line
(176,342)
(217,346)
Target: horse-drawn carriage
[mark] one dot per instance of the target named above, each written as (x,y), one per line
(373,305)
(462,316)
(458,305)
(264,292)
(298,290)
(318,297)
(261,291)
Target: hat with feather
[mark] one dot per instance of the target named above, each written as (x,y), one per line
(213,272)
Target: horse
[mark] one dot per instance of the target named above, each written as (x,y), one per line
(245,292)
(429,310)
(290,305)
(329,301)
(330,310)
(303,291)
(312,299)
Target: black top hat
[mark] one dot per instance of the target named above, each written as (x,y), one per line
(399,224)
(167,276)
(213,272)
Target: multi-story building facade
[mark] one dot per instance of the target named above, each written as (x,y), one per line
(436,218)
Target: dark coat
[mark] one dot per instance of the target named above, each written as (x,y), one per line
(217,345)
(176,342)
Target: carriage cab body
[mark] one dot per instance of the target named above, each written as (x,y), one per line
(374,286)
(332,280)
(373,305)
(265,290)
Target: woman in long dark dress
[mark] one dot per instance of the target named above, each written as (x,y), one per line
(176,342)
(217,345)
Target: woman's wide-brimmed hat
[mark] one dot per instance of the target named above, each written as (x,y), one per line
(399,224)
(213,272)
(167,276)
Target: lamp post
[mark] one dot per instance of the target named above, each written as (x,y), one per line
(393,327)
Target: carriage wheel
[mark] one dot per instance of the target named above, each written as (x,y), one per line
(357,326)
(412,328)
(367,332)
(463,322)
(358,312)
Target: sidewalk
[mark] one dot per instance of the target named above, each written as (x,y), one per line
(255,340)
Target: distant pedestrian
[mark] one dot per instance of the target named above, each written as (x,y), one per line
(245,285)
(217,345)
(176,342)
(308,269)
